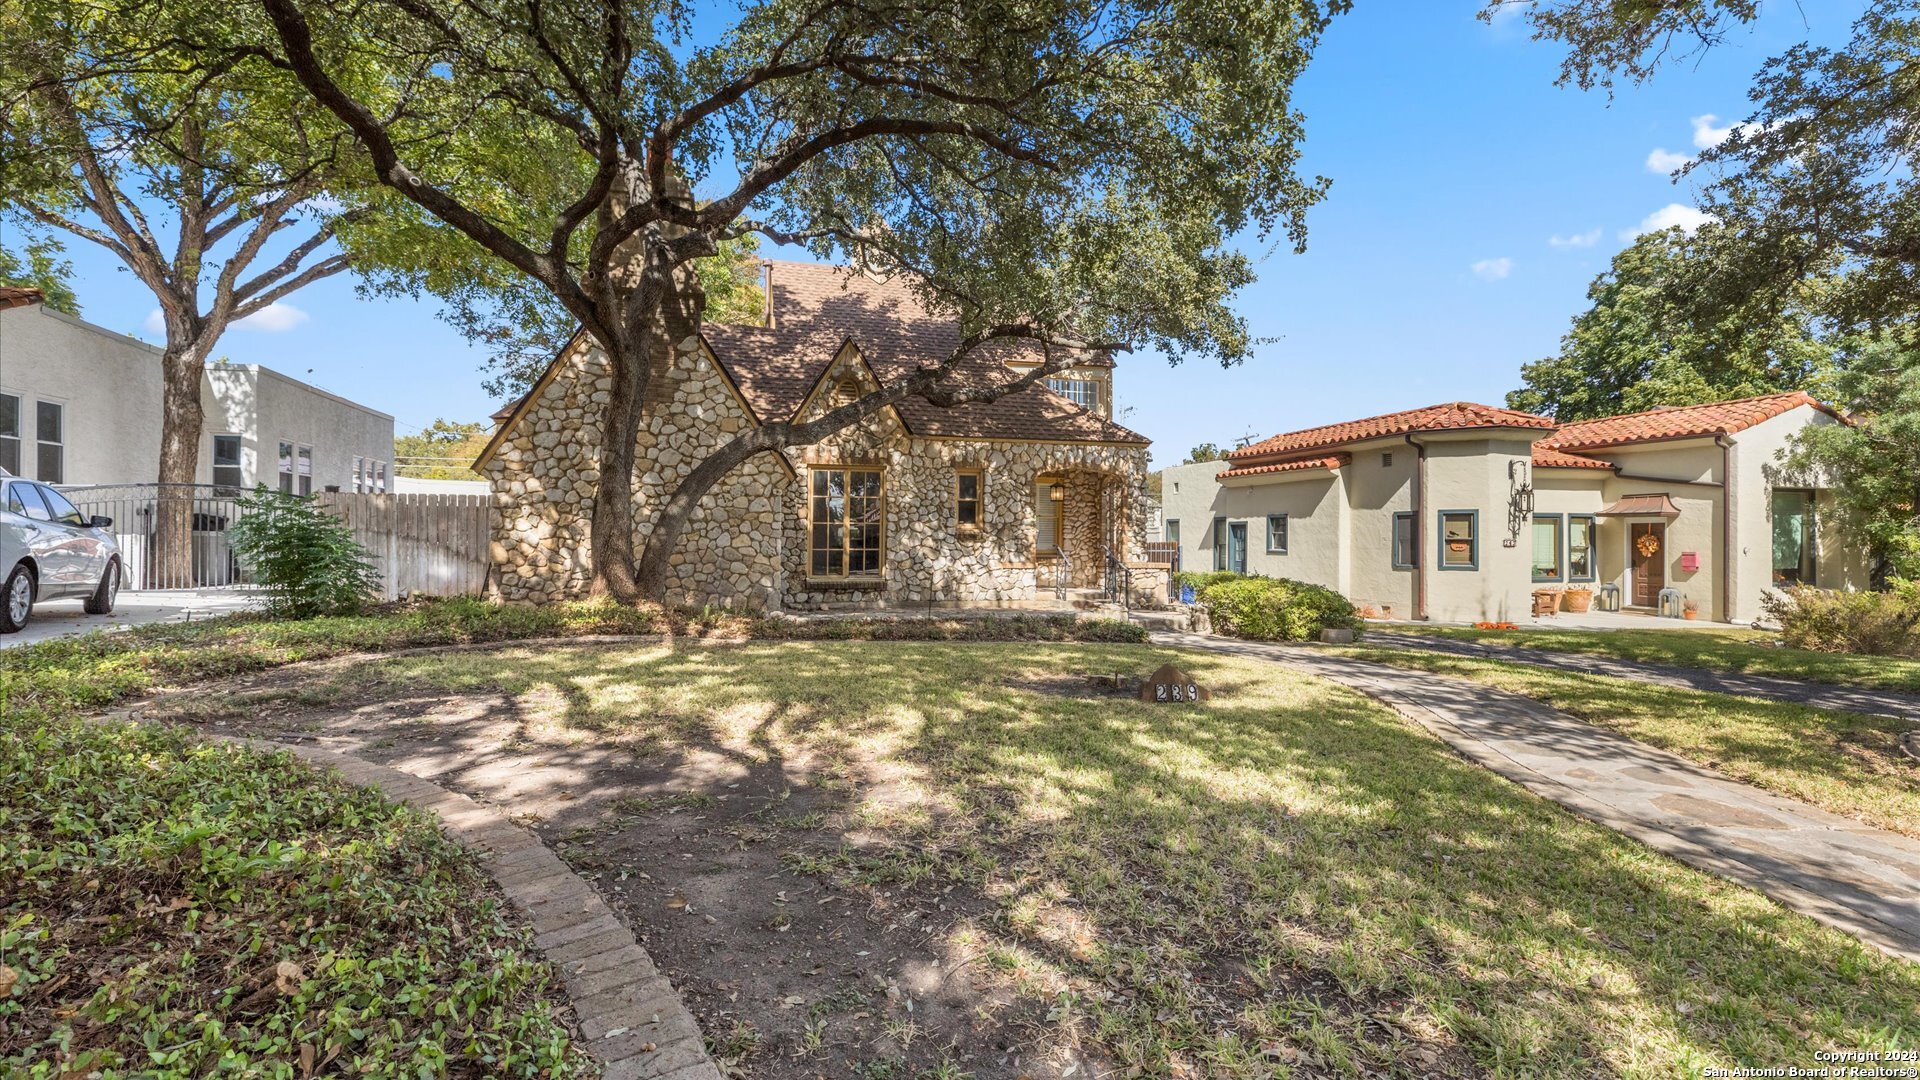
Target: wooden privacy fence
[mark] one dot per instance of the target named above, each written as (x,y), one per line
(434,545)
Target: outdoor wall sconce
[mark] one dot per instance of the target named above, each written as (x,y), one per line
(1057,492)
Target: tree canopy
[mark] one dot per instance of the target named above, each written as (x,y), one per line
(38,266)
(1075,175)
(1645,342)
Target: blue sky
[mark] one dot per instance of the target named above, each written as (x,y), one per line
(1472,203)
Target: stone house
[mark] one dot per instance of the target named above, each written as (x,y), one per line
(1006,503)
(1460,512)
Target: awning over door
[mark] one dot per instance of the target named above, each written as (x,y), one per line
(1642,506)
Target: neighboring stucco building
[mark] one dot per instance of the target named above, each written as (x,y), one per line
(981,504)
(80,405)
(1458,512)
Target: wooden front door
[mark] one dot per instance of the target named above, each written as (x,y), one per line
(1647,547)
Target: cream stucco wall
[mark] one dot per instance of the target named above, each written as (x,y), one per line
(109,388)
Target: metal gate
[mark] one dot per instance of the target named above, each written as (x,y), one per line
(135,508)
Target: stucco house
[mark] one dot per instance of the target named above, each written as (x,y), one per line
(982,504)
(1458,512)
(80,406)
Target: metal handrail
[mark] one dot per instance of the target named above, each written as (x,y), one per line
(1118,572)
(1062,573)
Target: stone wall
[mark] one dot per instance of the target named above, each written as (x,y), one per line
(746,544)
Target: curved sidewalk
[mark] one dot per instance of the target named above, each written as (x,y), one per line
(631,1019)
(1863,880)
(1773,687)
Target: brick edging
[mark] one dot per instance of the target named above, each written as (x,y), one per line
(631,1019)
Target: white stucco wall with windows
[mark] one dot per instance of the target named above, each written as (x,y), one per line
(266,408)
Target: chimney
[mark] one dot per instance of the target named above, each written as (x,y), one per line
(766,289)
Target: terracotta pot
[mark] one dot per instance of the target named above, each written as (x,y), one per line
(1690,614)
(1578,600)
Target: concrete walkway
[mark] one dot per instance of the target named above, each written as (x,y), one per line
(134,607)
(1863,880)
(1773,687)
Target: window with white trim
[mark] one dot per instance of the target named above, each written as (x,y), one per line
(1082,392)
(303,477)
(50,431)
(10,412)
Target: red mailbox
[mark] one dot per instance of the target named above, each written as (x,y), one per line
(1689,561)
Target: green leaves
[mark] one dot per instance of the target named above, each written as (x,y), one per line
(305,559)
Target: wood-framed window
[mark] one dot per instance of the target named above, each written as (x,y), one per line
(845,518)
(1459,539)
(1276,534)
(1549,551)
(1406,541)
(1580,532)
(969,499)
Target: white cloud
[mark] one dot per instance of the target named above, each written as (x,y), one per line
(1665,161)
(1492,269)
(1575,240)
(156,323)
(1706,136)
(273,318)
(1668,216)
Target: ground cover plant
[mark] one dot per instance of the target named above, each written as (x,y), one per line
(1848,763)
(864,859)
(1754,652)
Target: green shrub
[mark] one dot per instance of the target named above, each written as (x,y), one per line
(1868,623)
(1201,579)
(1277,609)
(305,559)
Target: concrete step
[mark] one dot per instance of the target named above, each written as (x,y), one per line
(1159,620)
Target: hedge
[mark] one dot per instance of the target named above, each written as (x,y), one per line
(1866,623)
(1277,609)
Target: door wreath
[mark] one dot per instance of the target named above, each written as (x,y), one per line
(1648,545)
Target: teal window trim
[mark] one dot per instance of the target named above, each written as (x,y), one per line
(1171,530)
(1559,548)
(1219,543)
(1413,541)
(1282,519)
(1593,548)
(1473,549)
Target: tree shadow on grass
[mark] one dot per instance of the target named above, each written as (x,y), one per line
(1288,874)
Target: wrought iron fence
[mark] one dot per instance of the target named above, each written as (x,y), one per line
(135,509)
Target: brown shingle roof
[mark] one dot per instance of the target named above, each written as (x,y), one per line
(1332,461)
(11,297)
(1686,421)
(818,308)
(1451,416)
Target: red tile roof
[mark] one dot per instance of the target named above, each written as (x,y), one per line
(1680,422)
(1548,458)
(1451,416)
(1332,461)
(11,297)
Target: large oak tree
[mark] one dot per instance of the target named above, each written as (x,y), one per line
(1071,174)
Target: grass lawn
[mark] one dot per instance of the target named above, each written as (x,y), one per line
(1848,763)
(1717,649)
(1288,877)
(171,906)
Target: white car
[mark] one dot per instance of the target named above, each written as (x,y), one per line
(49,552)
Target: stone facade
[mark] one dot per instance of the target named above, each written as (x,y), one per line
(747,543)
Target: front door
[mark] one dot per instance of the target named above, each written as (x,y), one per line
(1237,547)
(1647,547)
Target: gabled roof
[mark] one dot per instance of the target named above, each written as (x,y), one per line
(1548,458)
(1679,422)
(1330,462)
(11,297)
(1452,416)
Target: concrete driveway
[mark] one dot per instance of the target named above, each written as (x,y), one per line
(135,607)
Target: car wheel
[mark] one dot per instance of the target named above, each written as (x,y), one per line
(16,600)
(101,602)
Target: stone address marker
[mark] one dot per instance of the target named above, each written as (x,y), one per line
(1170,684)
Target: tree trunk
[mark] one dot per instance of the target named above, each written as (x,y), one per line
(170,563)
(610,534)
(670,520)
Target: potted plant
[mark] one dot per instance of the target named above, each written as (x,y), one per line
(1690,609)
(1578,599)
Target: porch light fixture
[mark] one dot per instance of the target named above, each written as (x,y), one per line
(1057,492)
